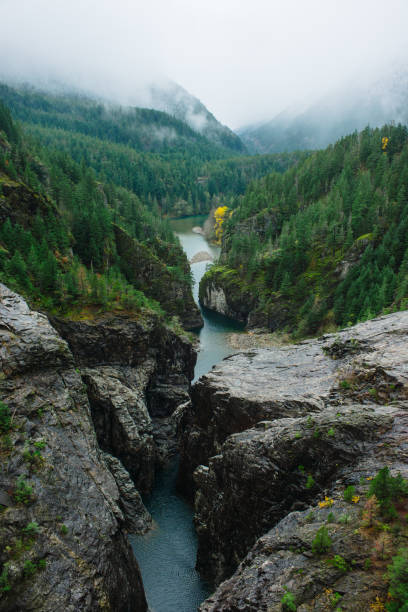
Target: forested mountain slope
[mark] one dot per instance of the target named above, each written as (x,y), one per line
(158,157)
(324,244)
(69,242)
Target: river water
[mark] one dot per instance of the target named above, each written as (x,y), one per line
(167,554)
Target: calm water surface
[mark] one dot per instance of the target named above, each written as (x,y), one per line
(167,554)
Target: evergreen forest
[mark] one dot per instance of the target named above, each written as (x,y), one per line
(325,244)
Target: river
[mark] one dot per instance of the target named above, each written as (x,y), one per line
(167,553)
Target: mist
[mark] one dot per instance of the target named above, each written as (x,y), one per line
(246,61)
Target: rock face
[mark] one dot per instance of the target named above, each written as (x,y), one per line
(222,297)
(271,430)
(62,544)
(137,373)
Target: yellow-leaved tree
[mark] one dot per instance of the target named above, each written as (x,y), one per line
(220,214)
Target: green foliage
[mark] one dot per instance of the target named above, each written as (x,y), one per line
(291,233)
(388,489)
(334,599)
(63,529)
(398,577)
(322,541)
(23,493)
(310,482)
(331,432)
(339,563)
(4,579)
(330,517)
(29,568)
(31,529)
(349,493)
(148,152)
(344,519)
(5,418)
(40,444)
(367,564)
(288,602)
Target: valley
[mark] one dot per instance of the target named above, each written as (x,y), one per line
(146,463)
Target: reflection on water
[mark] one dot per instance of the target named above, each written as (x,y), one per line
(167,554)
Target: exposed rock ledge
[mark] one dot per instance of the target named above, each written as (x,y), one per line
(54,477)
(258,416)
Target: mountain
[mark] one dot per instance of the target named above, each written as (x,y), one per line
(340,113)
(157,156)
(176,101)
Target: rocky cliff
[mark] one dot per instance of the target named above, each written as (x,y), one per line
(83,423)
(272,431)
(62,544)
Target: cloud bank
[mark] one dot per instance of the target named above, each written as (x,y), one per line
(246,60)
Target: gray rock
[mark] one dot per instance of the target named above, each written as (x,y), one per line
(65,488)
(137,518)
(336,406)
(122,422)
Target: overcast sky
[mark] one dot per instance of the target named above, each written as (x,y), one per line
(245,59)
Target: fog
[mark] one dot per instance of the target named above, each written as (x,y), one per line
(245,60)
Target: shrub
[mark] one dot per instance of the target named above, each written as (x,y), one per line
(330,517)
(339,563)
(344,519)
(42,564)
(4,583)
(334,600)
(63,529)
(288,602)
(388,489)
(398,577)
(310,482)
(23,493)
(29,568)
(5,418)
(31,529)
(349,493)
(322,541)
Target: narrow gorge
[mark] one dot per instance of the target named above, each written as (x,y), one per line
(269,440)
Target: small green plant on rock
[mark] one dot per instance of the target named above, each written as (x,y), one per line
(349,493)
(4,581)
(5,418)
(23,493)
(29,568)
(63,529)
(345,519)
(288,602)
(339,562)
(322,541)
(330,518)
(310,482)
(331,432)
(334,600)
(31,529)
